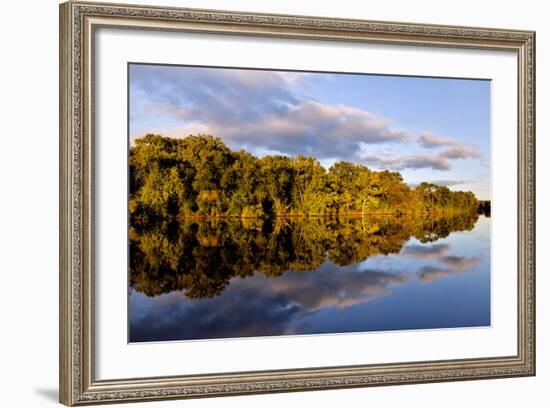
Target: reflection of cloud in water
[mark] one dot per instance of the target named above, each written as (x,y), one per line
(328,286)
(454,265)
(459,262)
(448,265)
(426,252)
(259,305)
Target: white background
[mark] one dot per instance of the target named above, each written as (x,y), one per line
(117,359)
(28,205)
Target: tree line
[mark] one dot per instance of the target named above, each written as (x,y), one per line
(199,176)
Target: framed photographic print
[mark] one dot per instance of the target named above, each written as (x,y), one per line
(256,203)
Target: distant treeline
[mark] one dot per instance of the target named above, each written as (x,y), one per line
(484,207)
(199,176)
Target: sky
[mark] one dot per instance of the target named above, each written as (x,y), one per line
(428,129)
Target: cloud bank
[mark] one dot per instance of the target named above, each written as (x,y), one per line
(438,153)
(417,161)
(261,110)
(270,112)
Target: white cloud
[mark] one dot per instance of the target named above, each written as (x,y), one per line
(417,161)
(255,108)
(429,140)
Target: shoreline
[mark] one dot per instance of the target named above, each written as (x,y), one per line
(326,216)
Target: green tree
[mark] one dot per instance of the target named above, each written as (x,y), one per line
(199,176)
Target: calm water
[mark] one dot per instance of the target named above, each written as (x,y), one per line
(233,278)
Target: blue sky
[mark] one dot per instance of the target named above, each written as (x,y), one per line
(429,129)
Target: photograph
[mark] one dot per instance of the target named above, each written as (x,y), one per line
(259,202)
(267,202)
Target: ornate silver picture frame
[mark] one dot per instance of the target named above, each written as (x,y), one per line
(79,22)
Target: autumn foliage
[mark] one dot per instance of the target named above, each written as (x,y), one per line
(200,177)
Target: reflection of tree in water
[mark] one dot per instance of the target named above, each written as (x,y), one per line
(201,257)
